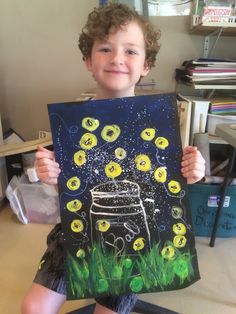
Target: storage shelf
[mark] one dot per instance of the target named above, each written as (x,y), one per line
(216,140)
(207,29)
(229,87)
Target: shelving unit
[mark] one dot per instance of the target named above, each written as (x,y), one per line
(207,28)
(212,28)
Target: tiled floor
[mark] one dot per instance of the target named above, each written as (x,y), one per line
(21,247)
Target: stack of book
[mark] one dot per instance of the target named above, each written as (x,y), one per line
(207,73)
(223,106)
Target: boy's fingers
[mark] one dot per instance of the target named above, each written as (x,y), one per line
(44,153)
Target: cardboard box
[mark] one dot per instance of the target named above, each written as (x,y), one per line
(204,200)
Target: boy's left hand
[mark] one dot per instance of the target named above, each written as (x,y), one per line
(193,164)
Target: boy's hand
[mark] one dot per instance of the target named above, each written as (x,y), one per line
(193,164)
(46,167)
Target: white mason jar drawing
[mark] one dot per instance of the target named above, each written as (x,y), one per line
(118,218)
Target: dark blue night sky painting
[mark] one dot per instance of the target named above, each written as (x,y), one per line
(124,206)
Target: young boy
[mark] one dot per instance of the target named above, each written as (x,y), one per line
(119,47)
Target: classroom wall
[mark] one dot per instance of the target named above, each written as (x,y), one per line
(40,62)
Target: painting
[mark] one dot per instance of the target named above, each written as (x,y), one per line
(124,206)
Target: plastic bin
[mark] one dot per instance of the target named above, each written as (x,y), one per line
(33,202)
(41,203)
(204,201)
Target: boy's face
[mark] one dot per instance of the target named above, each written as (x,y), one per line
(118,62)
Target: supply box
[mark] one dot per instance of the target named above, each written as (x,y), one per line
(204,200)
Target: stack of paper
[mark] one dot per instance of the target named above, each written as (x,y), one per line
(224,106)
(207,73)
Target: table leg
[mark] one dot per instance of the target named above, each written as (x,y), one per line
(222,196)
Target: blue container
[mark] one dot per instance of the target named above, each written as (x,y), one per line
(204,200)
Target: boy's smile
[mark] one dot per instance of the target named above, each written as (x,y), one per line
(118,62)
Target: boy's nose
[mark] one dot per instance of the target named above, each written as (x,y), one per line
(117,58)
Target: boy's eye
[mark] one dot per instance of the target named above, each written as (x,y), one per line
(132,52)
(104,49)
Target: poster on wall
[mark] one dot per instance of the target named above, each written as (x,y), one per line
(124,205)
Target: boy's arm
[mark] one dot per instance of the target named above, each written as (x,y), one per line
(193,164)
(46,167)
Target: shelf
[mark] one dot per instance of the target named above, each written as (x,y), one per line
(12,149)
(216,140)
(225,24)
(229,87)
(207,29)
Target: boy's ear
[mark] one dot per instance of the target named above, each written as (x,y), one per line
(146,69)
(88,63)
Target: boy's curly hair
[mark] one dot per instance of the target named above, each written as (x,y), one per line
(100,21)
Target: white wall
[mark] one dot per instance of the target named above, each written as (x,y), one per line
(39,59)
(40,62)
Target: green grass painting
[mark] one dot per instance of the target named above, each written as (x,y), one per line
(96,274)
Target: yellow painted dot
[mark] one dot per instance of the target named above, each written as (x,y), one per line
(161,142)
(168,252)
(160,174)
(102,225)
(74,205)
(80,253)
(88,141)
(110,132)
(174,186)
(77,225)
(113,170)
(120,153)
(80,158)
(73,183)
(179,228)
(177,212)
(143,162)
(139,244)
(148,134)
(90,124)
(179,241)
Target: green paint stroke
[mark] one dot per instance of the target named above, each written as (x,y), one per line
(97,274)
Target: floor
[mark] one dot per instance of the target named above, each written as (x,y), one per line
(21,247)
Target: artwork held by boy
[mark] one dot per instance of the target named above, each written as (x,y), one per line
(125,214)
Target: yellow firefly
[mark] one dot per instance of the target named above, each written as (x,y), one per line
(143,162)
(177,212)
(179,241)
(160,174)
(174,186)
(161,142)
(80,158)
(80,253)
(179,228)
(88,141)
(102,225)
(73,183)
(90,124)
(77,225)
(120,153)
(139,244)
(74,206)
(148,134)
(168,252)
(113,170)
(110,132)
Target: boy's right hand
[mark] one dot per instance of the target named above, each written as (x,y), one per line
(46,167)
